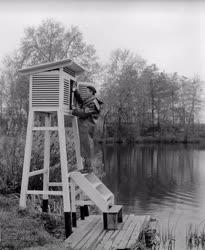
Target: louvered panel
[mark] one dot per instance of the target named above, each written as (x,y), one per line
(83,91)
(66,99)
(45,90)
(69,71)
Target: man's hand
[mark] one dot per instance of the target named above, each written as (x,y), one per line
(74,86)
(80,113)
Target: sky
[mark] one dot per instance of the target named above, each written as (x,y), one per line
(167,33)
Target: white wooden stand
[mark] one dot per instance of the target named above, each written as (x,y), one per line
(51,91)
(45,171)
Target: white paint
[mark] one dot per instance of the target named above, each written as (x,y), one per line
(46,155)
(27,160)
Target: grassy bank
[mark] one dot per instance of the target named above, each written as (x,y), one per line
(27,229)
(31,229)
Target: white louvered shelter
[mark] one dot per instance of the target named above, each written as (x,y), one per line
(50,91)
(51,83)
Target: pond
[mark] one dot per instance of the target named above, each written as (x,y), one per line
(165,181)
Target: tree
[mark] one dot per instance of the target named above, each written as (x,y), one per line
(51,41)
(140,99)
(149,79)
(119,88)
(2,103)
(190,103)
(48,42)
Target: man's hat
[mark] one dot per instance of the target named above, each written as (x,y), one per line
(92,88)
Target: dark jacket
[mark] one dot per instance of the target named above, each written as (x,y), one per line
(88,108)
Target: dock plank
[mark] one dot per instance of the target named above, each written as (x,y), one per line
(80,233)
(127,234)
(106,237)
(91,235)
(83,244)
(94,237)
(121,232)
(98,241)
(105,243)
(135,234)
(109,243)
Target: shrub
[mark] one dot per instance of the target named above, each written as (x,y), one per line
(12,157)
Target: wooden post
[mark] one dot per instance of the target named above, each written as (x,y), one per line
(64,174)
(46,163)
(112,217)
(86,210)
(73,205)
(77,143)
(27,160)
(82,215)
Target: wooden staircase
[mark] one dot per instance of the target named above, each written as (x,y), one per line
(93,188)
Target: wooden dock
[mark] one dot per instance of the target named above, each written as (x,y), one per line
(90,234)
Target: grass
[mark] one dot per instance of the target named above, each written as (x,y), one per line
(26,229)
(31,229)
(195,236)
(156,237)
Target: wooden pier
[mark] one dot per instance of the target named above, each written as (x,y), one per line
(90,234)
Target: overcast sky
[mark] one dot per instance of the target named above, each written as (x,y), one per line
(170,34)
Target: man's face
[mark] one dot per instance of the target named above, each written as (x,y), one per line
(89,92)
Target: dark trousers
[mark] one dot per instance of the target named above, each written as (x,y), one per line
(86,133)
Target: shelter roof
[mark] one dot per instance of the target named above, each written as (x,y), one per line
(68,63)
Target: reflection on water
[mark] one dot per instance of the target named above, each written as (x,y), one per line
(167,181)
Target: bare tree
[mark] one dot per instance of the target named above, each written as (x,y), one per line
(48,42)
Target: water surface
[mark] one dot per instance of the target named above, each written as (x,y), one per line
(166,181)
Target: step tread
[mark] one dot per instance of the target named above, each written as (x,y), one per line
(96,184)
(115,209)
(106,196)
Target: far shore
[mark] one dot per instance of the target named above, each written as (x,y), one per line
(150,140)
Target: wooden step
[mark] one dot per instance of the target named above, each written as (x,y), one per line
(106,196)
(114,209)
(84,202)
(112,217)
(97,184)
(103,190)
(92,187)
(93,180)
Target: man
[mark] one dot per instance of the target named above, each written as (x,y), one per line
(88,113)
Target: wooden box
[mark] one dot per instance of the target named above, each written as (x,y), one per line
(112,217)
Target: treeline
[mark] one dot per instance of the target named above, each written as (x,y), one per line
(139,99)
(142,101)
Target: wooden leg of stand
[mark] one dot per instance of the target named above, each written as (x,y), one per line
(27,161)
(46,163)
(73,206)
(64,175)
(77,143)
(86,210)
